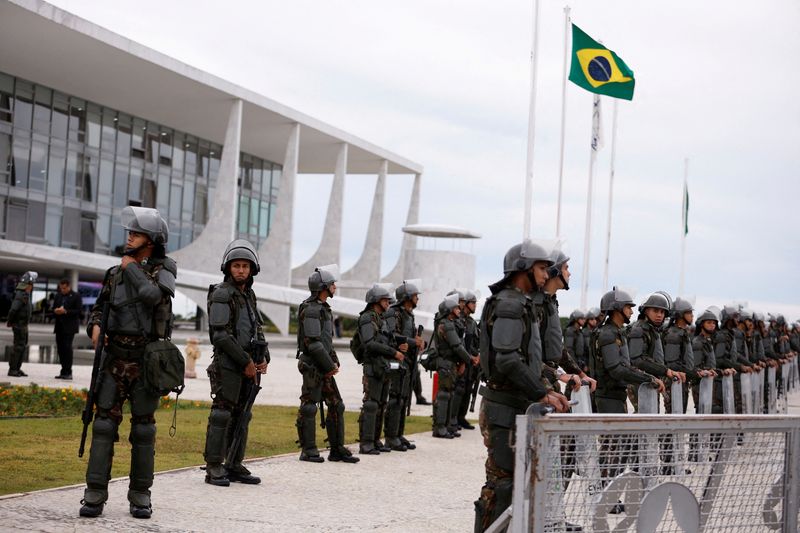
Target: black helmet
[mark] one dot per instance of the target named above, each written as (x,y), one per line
(323,277)
(241,249)
(145,220)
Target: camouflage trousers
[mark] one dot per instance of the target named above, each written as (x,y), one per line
(375,383)
(119,380)
(496,425)
(318,389)
(19,347)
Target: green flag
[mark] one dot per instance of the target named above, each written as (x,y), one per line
(685,209)
(597,69)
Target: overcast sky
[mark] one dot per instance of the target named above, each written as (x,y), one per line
(446,84)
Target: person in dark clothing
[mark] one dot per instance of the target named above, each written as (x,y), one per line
(67,306)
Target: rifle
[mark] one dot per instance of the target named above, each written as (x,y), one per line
(88,409)
(413,372)
(241,423)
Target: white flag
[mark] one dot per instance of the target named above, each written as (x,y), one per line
(597,127)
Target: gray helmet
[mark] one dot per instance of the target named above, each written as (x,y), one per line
(470,297)
(593,313)
(323,277)
(521,257)
(145,220)
(576,314)
(745,314)
(729,312)
(407,289)
(658,300)
(29,277)
(462,293)
(241,249)
(615,300)
(681,306)
(559,259)
(780,320)
(378,292)
(708,314)
(758,317)
(449,303)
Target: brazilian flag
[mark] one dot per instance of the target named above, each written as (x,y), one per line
(597,69)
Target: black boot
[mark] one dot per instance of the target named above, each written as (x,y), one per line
(90,510)
(342,454)
(139,511)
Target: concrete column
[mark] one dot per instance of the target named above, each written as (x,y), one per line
(72,276)
(205,252)
(367,269)
(397,274)
(330,248)
(275,252)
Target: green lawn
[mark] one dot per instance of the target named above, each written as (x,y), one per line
(40,453)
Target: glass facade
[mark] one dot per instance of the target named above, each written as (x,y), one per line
(68,166)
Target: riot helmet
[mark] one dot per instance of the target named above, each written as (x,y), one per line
(29,277)
(615,300)
(708,314)
(407,289)
(449,303)
(240,249)
(560,258)
(593,313)
(145,220)
(521,258)
(322,278)
(378,292)
(576,315)
(658,300)
(729,312)
(470,297)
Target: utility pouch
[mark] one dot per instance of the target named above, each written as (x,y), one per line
(163,367)
(429,358)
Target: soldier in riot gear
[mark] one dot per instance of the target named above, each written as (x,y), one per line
(610,365)
(472,345)
(574,341)
(451,363)
(677,340)
(378,350)
(705,361)
(644,342)
(460,390)
(752,339)
(399,320)
(240,352)
(318,364)
(593,320)
(511,361)
(139,293)
(726,350)
(18,318)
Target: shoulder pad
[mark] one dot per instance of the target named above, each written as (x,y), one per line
(509,308)
(311,310)
(166,279)
(608,335)
(390,313)
(365,317)
(636,331)
(169,264)
(221,294)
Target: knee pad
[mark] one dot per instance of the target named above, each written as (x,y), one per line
(142,434)
(393,403)
(308,410)
(219,418)
(104,428)
(443,396)
(339,409)
(370,407)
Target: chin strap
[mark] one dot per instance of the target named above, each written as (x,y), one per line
(564,281)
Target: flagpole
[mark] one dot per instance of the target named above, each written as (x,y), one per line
(610,193)
(587,234)
(563,119)
(526,229)
(684,214)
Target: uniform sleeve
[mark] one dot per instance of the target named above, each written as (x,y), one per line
(453,340)
(96,314)
(371,338)
(219,321)
(16,307)
(615,364)
(312,331)
(147,290)
(639,359)
(722,353)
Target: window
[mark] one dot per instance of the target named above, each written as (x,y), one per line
(61,111)
(38,171)
(162,199)
(103,232)
(55,172)
(123,136)
(93,125)
(188,200)
(200,205)
(149,193)
(23,105)
(36,216)
(6,97)
(243,212)
(19,172)
(41,109)
(87,233)
(77,120)
(135,185)
(17,218)
(120,185)
(175,201)
(106,180)
(91,173)
(74,175)
(6,160)
(53,225)
(108,132)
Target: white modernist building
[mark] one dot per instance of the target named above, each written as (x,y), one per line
(91,122)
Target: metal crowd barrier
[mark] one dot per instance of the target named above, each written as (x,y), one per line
(677,473)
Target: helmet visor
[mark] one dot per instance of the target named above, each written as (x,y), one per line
(140,219)
(329,273)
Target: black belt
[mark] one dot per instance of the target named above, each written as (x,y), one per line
(504,398)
